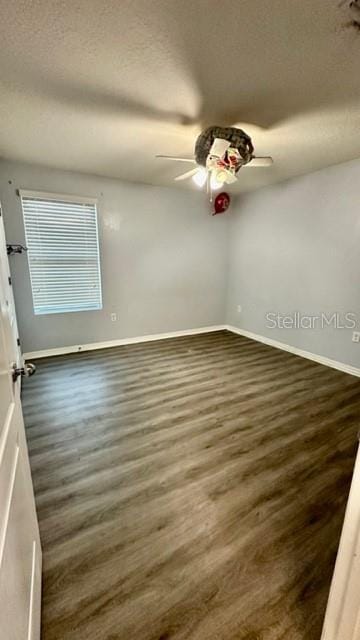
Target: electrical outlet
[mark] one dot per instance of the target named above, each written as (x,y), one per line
(239,308)
(113,317)
(356,336)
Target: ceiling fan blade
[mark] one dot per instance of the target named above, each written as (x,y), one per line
(186,175)
(260,161)
(177,159)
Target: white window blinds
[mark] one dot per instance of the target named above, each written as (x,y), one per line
(63,252)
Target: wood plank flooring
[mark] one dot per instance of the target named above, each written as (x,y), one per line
(189,488)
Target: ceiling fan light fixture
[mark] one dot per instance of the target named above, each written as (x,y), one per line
(200,177)
(215,183)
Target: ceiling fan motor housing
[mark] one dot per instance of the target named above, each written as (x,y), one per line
(237,138)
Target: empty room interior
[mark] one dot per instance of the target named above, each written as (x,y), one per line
(180,320)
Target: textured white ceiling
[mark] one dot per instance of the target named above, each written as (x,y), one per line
(101,87)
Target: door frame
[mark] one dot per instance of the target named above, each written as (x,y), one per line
(342,618)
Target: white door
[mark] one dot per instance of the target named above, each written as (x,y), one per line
(20,551)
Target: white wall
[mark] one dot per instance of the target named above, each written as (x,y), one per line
(163,259)
(165,266)
(296,247)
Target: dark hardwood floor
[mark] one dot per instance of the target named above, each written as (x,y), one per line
(189,488)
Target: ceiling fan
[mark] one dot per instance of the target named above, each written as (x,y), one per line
(220,153)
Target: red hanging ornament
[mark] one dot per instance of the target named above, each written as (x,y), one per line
(221,203)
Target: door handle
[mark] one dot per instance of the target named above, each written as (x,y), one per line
(27,370)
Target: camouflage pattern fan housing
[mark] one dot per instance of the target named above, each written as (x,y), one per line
(237,137)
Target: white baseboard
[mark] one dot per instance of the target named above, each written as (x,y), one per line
(334,364)
(58,351)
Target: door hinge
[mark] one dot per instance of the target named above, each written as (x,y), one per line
(10,282)
(18,342)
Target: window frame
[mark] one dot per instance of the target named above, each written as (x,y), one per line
(71,199)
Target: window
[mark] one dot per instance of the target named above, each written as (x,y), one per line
(63,252)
